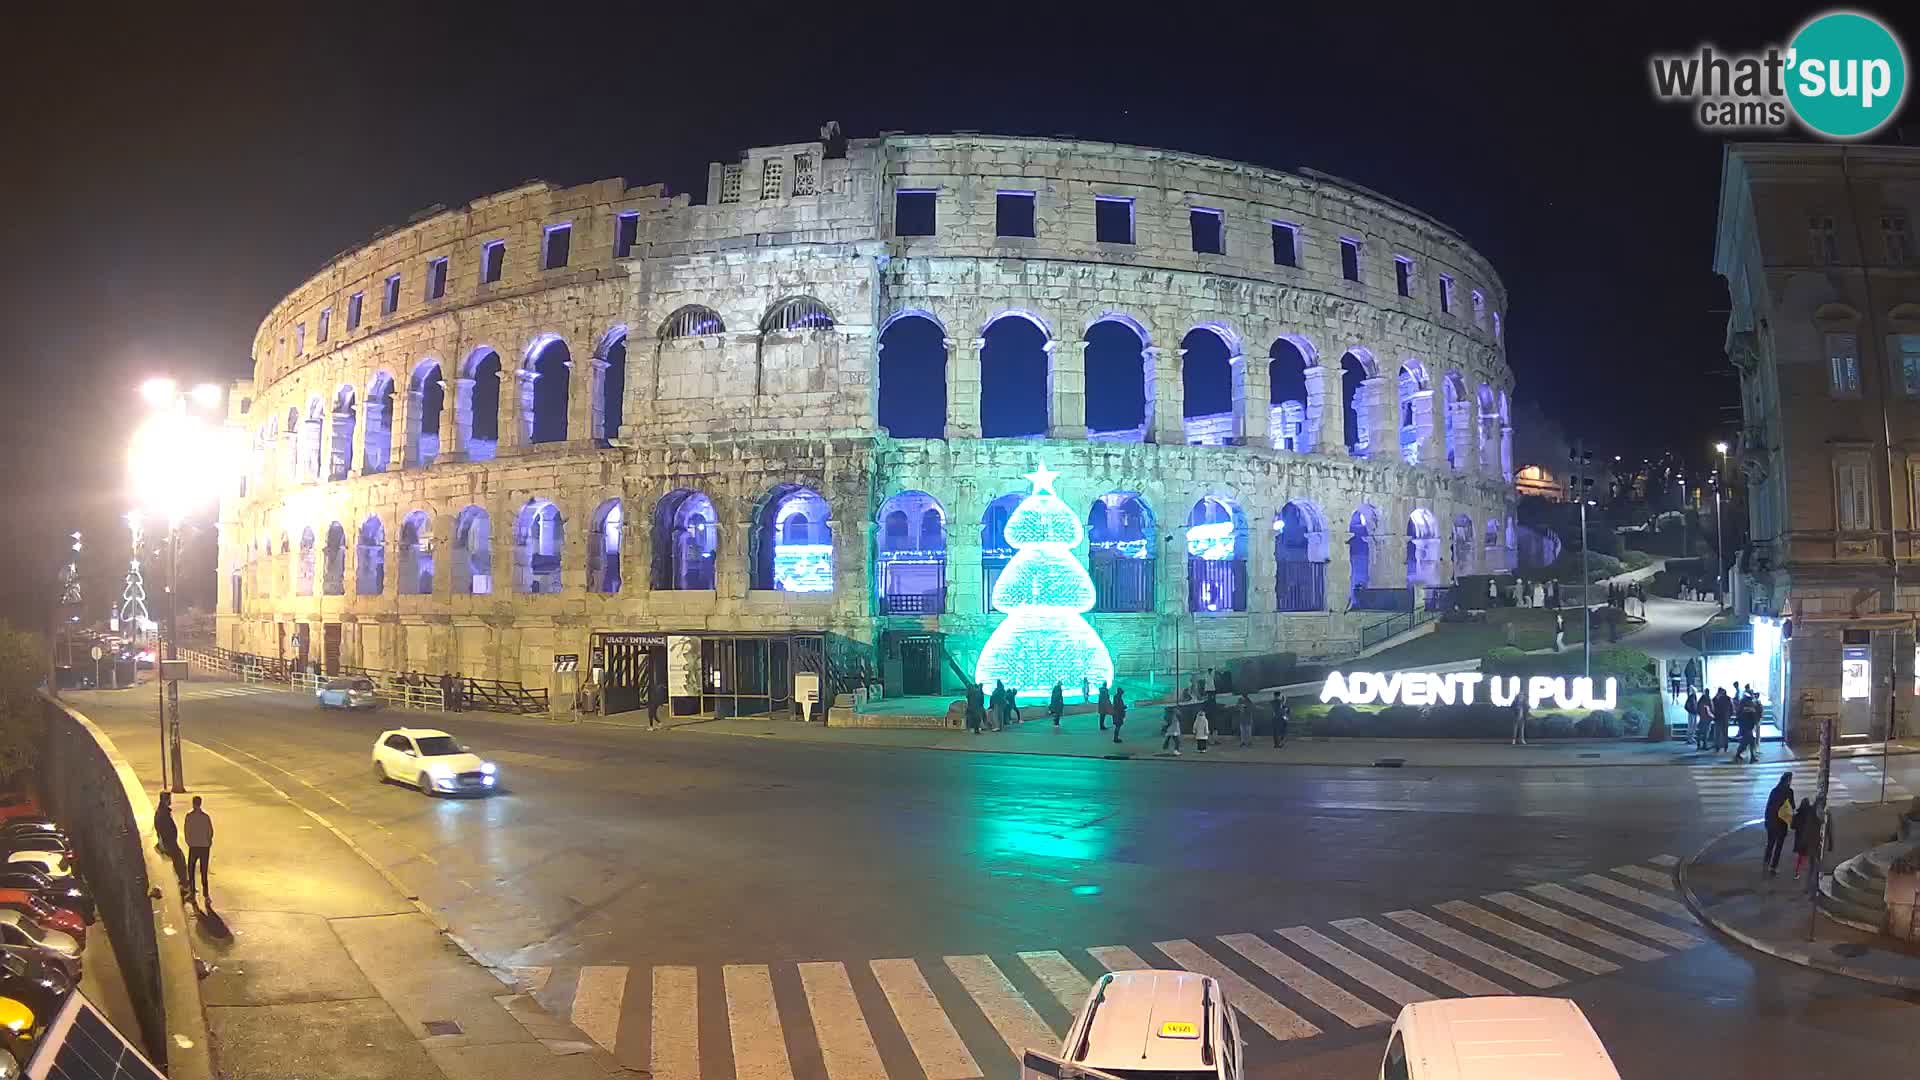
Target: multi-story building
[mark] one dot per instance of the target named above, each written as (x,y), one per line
(1817,247)
(781,431)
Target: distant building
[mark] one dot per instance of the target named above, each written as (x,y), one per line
(1539,480)
(1816,244)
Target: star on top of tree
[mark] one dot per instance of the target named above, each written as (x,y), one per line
(1042,479)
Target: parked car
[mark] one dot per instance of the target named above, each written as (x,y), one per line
(46,913)
(58,948)
(29,824)
(1139,1023)
(20,1025)
(30,979)
(54,864)
(13,805)
(431,761)
(1495,1037)
(354,692)
(69,893)
(37,841)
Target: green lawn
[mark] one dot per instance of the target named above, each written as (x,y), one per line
(1532,629)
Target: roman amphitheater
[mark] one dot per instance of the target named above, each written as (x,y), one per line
(723,446)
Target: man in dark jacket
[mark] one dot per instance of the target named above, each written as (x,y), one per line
(168,835)
(1722,715)
(1105,706)
(1778,817)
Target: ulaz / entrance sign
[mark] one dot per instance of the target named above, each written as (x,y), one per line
(1459,688)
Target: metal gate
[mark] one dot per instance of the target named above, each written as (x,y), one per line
(635,664)
(330,647)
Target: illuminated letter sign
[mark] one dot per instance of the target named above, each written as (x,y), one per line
(1423,688)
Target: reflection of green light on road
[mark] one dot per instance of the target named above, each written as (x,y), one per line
(1038,819)
(1086,890)
(1037,840)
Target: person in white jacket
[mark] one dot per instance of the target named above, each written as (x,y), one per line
(1201,729)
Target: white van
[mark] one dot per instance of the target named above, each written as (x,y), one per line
(1157,1025)
(1495,1038)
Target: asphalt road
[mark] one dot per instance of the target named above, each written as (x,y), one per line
(614,854)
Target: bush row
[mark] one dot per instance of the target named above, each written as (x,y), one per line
(1477,721)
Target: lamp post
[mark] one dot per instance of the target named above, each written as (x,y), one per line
(173,462)
(1580,463)
(1719,537)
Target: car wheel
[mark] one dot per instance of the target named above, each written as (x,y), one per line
(426,785)
(379,773)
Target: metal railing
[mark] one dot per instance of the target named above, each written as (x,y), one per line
(1376,633)
(387,686)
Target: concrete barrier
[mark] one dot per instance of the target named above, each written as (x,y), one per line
(92,791)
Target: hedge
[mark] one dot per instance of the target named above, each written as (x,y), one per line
(1477,721)
(1630,666)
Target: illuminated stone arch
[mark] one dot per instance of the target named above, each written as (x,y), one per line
(473,552)
(1423,548)
(691,320)
(1212,377)
(1016,376)
(426,399)
(1363,542)
(1414,392)
(476,404)
(910,555)
(1216,543)
(686,536)
(1300,557)
(1458,423)
(546,380)
(539,548)
(1294,405)
(1118,376)
(376,440)
(604,544)
(792,541)
(342,420)
(911,375)
(333,573)
(996,551)
(416,554)
(370,558)
(1360,400)
(1123,550)
(608,405)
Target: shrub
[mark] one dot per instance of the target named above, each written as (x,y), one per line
(23,666)
(1635,560)
(1631,721)
(1598,724)
(1262,670)
(1556,726)
(1629,666)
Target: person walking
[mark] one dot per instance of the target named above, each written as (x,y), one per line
(1105,705)
(1693,722)
(657,696)
(1703,721)
(1693,673)
(1806,830)
(1170,729)
(1749,716)
(972,713)
(1282,712)
(199,850)
(1085,691)
(1203,726)
(1778,817)
(168,836)
(1057,704)
(1002,713)
(1119,711)
(1244,721)
(1520,710)
(1722,717)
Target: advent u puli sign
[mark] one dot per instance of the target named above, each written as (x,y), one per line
(1462,688)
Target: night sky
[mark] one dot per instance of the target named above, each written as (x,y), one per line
(169,177)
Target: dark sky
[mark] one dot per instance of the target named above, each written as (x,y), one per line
(168,175)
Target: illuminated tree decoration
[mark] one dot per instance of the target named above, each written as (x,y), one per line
(1043,590)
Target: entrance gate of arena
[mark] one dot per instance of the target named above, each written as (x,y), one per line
(631,666)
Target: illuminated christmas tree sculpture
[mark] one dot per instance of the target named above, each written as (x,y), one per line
(1043,590)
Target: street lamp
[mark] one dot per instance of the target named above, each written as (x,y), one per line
(1719,539)
(1581,484)
(174,462)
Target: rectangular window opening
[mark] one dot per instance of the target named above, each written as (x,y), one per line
(772,182)
(1907,350)
(1823,249)
(436,278)
(390,299)
(324,326)
(1349,258)
(556,246)
(1446,294)
(915,212)
(1899,242)
(1209,231)
(1286,244)
(300,339)
(353,311)
(626,232)
(493,260)
(1013,214)
(1403,275)
(1113,219)
(1479,308)
(1843,365)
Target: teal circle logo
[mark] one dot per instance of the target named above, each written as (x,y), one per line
(1847,75)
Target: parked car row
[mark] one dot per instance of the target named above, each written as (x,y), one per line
(45,908)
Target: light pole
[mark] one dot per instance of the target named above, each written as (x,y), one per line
(1581,484)
(174,462)
(1719,537)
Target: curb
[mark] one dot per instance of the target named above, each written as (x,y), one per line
(1804,957)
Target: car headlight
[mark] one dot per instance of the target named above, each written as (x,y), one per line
(439,770)
(487,767)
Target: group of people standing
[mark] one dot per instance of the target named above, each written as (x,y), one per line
(1205,712)
(1710,715)
(1695,590)
(1618,593)
(999,709)
(1200,709)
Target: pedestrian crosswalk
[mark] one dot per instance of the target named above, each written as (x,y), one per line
(965,1017)
(1740,791)
(190,692)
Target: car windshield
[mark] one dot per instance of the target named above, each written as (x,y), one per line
(27,927)
(342,684)
(438,746)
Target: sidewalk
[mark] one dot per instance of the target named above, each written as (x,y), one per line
(1723,886)
(320,966)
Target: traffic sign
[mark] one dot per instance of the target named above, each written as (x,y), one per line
(98,652)
(566,661)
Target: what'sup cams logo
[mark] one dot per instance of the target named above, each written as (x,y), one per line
(1843,76)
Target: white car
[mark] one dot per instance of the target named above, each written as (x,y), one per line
(57,946)
(352,692)
(51,863)
(1138,1023)
(1495,1038)
(432,761)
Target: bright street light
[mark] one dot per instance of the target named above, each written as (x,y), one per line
(1722,447)
(206,395)
(158,392)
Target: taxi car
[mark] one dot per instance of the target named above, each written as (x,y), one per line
(1157,1025)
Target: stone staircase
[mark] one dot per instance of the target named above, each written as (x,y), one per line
(1856,892)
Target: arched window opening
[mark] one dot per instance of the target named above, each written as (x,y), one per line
(481,420)
(1362,529)
(416,555)
(1356,395)
(1455,393)
(333,577)
(376,449)
(550,373)
(1416,410)
(1423,548)
(1489,431)
(340,445)
(692,320)
(428,394)
(537,546)
(1016,377)
(1117,382)
(1496,547)
(612,392)
(796,313)
(913,378)
(995,550)
(685,537)
(1122,552)
(1206,377)
(911,563)
(1462,546)
(284,570)
(1505,454)
(473,553)
(370,559)
(1287,396)
(1216,556)
(792,542)
(303,574)
(1300,556)
(311,430)
(273,470)
(603,548)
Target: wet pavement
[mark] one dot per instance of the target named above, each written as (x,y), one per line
(679,892)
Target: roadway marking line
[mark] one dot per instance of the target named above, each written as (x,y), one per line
(753,1022)
(1532,939)
(1419,959)
(533,979)
(1117,958)
(1650,877)
(1279,1021)
(846,1044)
(1664,860)
(1467,945)
(596,1004)
(938,1047)
(1062,979)
(1638,896)
(676,1024)
(1625,920)
(1359,968)
(1562,921)
(1304,981)
(1019,1026)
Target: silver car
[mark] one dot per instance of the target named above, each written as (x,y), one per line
(353,692)
(55,946)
